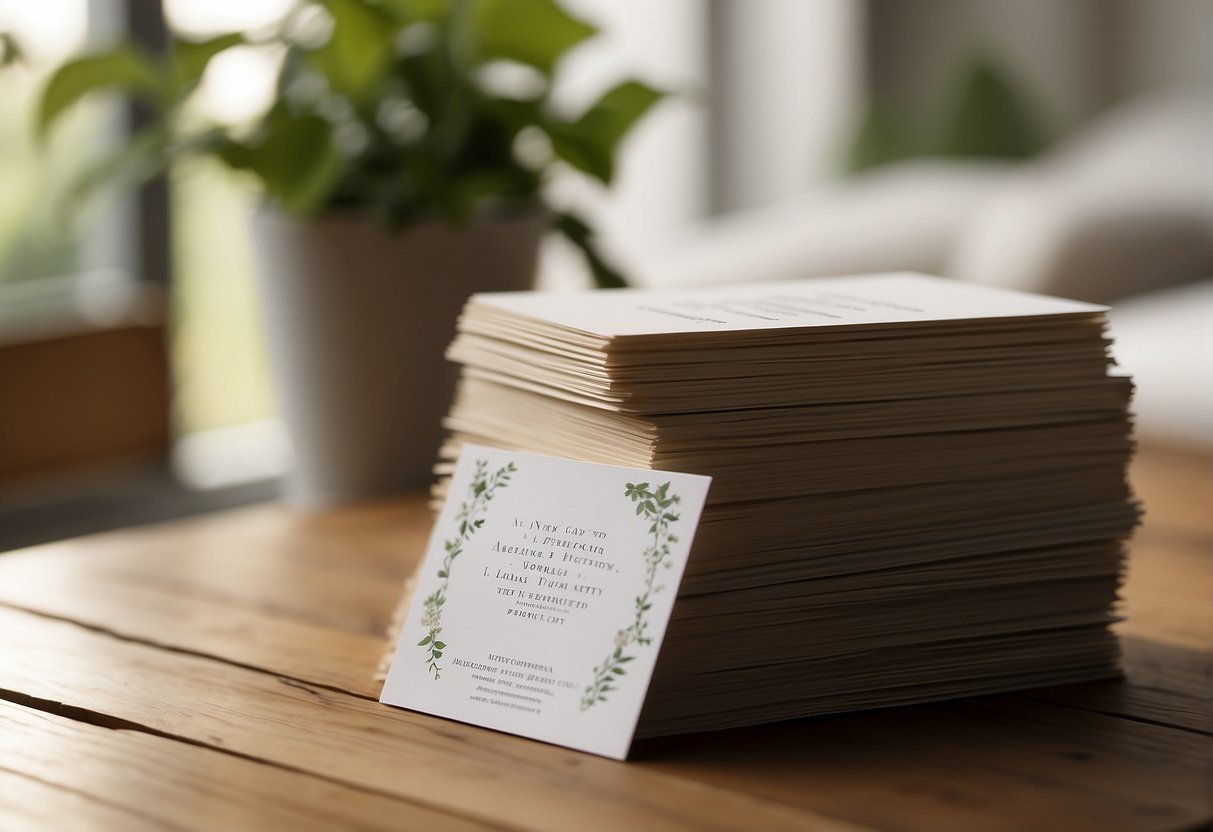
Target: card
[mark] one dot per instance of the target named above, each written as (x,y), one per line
(544,597)
(823,302)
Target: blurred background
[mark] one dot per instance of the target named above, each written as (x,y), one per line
(1061,146)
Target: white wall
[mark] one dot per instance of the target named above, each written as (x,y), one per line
(787,74)
(659,182)
(794,74)
(1165,42)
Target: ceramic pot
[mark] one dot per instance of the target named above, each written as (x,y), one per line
(356,324)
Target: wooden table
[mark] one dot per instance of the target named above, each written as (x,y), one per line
(214,674)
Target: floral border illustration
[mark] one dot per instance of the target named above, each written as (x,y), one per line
(470,518)
(656,506)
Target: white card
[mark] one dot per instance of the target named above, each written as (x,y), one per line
(544,597)
(899,298)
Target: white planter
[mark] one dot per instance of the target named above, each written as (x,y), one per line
(356,323)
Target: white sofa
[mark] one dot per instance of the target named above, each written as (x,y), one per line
(1119,213)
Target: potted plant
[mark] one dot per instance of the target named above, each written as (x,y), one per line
(403,161)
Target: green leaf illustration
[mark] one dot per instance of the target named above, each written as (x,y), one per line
(470,519)
(655,555)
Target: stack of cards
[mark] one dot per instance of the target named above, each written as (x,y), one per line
(918,485)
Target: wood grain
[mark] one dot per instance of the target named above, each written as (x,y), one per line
(175,615)
(484,775)
(1176,487)
(1082,770)
(29,805)
(326,578)
(1163,684)
(997,763)
(144,781)
(86,394)
(231,657)
(1168,592)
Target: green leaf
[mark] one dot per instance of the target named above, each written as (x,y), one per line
(467,195)
(191,57)
(356,55)
(437,653)
(882,137)
(415,10)
(125,68)
(424,642)
(605,275)
(143,156)
(590,142)
(10,50)
(990,119)
(440,645)
(533,32)
(295,160)
(618,671)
